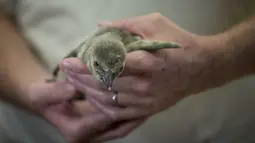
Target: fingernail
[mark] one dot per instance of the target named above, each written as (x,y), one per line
(104,23)
(67,66)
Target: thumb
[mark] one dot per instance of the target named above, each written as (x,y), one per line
(74,65)
(130,24)
(139,62)
(140,25)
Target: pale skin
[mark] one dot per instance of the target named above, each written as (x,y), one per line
(104,53)
(208,51)
(204,62)
(24,86)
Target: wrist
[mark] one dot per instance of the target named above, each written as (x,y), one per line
(215,65)
(223,62)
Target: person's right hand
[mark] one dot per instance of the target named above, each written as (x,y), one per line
(151,81)
(78,122)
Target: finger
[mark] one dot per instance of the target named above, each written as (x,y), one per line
(84,108)
(132,85)
(140,25)
(135,25)
(74,65)
(128,24)
(117,114)
(105,97)
(127,84)
(88,126)
(95,122)
(140,62)
(56,92)
(62,91)
(86,79)
(122,130)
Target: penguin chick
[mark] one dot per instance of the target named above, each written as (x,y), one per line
(108,60)
(105,51)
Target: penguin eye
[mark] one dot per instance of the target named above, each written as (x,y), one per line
(96,64)
(117,60)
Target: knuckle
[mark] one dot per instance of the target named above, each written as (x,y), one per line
(152,63)
(113,115)
(146,59)
(61,87)
(147,103)
(128,24)
(158,17)
(105,99)
(101,94)
(156,14)
(141,87)
(139,58)
(143,54)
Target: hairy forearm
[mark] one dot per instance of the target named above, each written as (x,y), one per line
(18,67)
(241,43)
(230,55)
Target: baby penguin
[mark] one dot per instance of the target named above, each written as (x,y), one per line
(105,52)
(107,60)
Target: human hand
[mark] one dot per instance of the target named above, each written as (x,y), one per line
(119,128)
(151,82)
(78,122)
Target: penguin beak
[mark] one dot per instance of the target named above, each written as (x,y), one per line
(107,78)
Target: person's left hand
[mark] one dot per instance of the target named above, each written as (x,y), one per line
(119,128)
(135,92)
